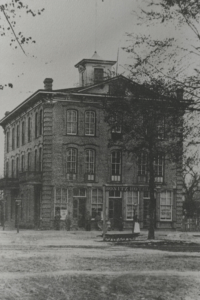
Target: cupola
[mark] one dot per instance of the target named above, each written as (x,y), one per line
(94,70)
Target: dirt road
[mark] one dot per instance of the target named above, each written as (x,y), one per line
(78,265)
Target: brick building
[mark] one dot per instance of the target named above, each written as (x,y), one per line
(57,159)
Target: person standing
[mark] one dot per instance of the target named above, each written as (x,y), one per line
(136,225)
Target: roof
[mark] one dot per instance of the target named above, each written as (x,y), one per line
(95,59)
(140,91)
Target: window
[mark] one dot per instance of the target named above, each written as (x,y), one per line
(35,160)
(116,166)
(71,163)
(40,159)
(159,168)
(13,168)
(29,161)
(7,169)
(97,202)
(166,206)
(131,204)
(61,202)
(7,141)
(40,123)
(160,127)
(17,136)
(98,75)
(90,123)
(36,125)
(142,164)
(23,133)
(17,166)
(116,127)
(72,122)
(13,138)
(22,163)
(29,129)
(89,164)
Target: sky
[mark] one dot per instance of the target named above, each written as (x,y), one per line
(66,32)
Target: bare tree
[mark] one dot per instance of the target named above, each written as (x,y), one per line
(152,126)
(8,15)
(191,176)
(173,58)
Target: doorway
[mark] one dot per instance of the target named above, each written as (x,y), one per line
(37,204)
(115,212)
(79,211)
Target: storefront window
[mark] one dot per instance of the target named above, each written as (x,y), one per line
(61,202)
(97,202)
(131,204)
(166,206)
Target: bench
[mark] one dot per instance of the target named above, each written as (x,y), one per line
(115,237)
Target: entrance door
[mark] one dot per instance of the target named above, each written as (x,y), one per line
(115,212)
(146,213)
(37,201)
(79,210)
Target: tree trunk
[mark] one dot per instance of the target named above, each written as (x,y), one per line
(152,204)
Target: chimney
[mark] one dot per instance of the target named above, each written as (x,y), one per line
(48,84)
(179,93)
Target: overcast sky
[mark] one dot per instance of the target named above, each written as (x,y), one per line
(64,34)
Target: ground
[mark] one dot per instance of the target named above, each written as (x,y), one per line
(48,265)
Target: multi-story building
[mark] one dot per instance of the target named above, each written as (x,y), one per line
(57,159)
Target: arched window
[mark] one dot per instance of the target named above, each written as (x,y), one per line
(22,163)
(18,136)
(40,159)
(13,138)
(90,123)
(72,122)
(17,166)
(116,166)
(29,161)
(159,168)
(23,133)
(71,163)
(40,123)
(7,169)
(89,164)
(35,160)
(36,125)
(13,168)
(29,129)
(142,164)
(8,141)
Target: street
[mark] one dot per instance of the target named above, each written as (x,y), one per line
(79,265)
